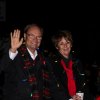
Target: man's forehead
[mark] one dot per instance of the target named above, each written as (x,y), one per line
(34,28)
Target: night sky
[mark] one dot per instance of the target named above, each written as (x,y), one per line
(81,18)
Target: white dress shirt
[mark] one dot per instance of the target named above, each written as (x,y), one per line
(13,55)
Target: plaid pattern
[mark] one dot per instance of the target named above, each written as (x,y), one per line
(30,69)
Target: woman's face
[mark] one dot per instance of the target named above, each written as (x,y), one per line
(64,47)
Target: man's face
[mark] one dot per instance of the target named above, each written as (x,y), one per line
(33,38)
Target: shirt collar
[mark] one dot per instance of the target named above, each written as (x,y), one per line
(33,56)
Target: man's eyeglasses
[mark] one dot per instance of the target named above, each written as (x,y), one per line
(31,36)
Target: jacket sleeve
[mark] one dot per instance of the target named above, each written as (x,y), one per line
(82,82)
(5,59)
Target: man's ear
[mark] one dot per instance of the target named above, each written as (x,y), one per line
(56,47)
(24,36)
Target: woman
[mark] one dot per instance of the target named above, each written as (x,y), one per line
(69,74)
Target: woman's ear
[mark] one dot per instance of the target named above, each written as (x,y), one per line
(71,45)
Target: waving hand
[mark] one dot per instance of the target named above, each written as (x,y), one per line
(15,40)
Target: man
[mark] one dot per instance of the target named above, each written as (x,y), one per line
(26,71)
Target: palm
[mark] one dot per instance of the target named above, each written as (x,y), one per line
(15,40)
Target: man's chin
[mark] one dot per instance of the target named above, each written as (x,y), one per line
(34,48)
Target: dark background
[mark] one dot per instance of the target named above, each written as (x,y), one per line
(81,18)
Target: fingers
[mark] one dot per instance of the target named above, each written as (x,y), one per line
(21,41)
(15,34)
(77,97)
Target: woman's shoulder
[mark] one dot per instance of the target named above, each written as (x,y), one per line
(75,57)
(54,57)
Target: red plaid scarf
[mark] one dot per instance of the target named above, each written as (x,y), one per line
(32,79)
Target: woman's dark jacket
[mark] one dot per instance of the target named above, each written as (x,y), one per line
(61,78)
